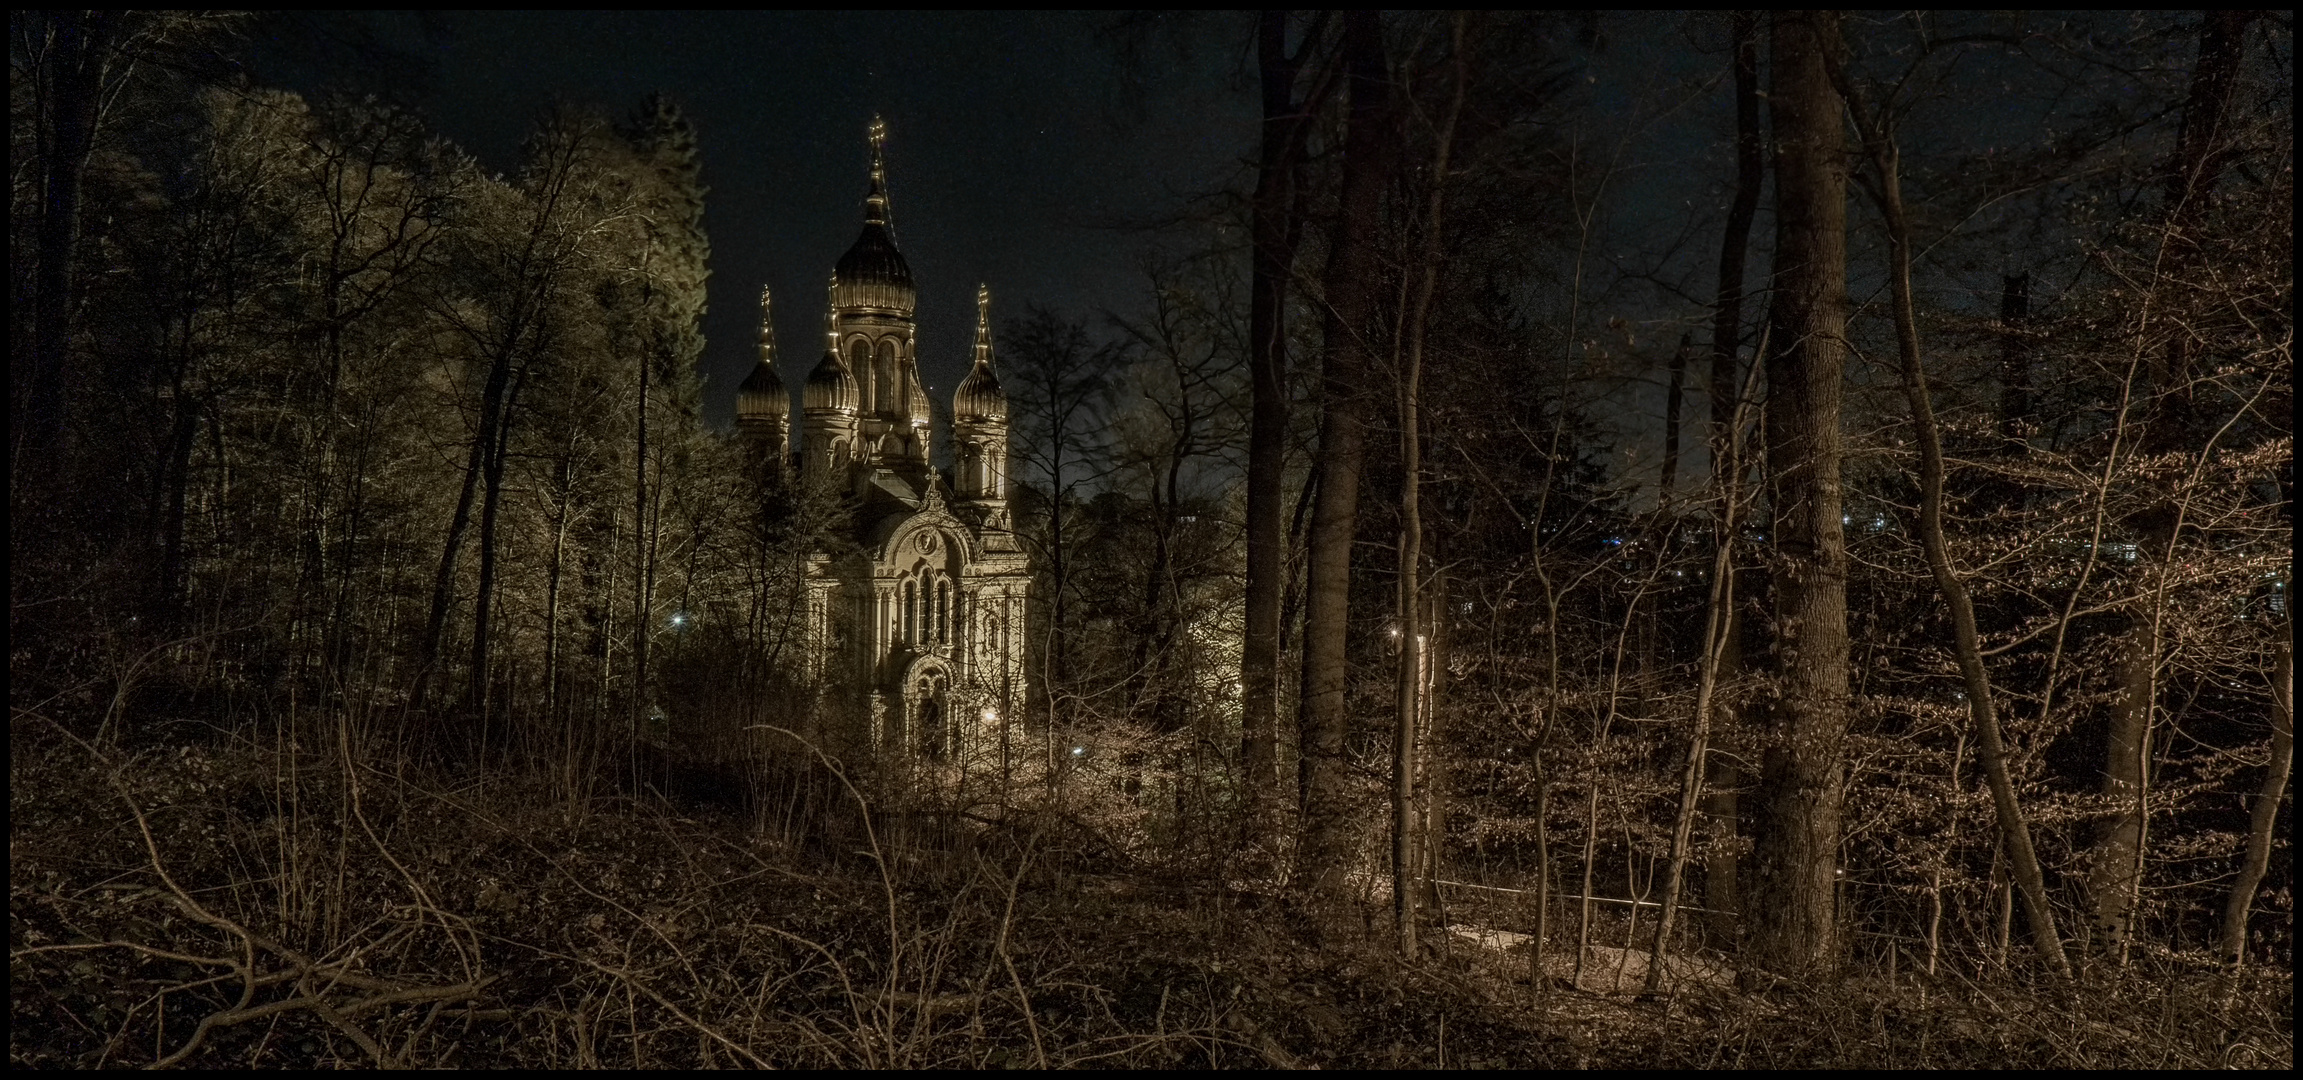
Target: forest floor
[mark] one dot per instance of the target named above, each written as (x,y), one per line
(221,904)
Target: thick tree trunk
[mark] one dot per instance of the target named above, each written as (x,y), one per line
(1369,150)
(2231,941)
(1791,898)
(1276,227)
(1722,777)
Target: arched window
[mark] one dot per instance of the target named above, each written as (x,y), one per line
(943,612)
(859,362)
(891,388)
(910,607)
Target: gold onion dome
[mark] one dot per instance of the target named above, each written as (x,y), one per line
(763,394)
(831,387)
(980,399)
(873,274)
(916,398)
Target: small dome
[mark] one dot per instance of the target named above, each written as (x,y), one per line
(916,403)
(831,387)
(980,399)
(763,396)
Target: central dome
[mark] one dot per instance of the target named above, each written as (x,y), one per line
(873,274)
(874,260)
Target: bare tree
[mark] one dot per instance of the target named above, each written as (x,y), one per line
(1370,148)
(1885,185)
(1278,210)
(2202,151)
(1792,925)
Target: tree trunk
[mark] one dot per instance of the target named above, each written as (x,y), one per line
(491,511)
(1351,281)
(564,512)
(2014,831)
(1723,778)
(2118,857)
(444,580)
(72,78)
(1717,623)
(1792,892)
(2231,942)
(1672,393)
(1408,681)
(2202,147)
(640,566)
(1276,227)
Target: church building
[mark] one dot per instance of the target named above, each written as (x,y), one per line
(916,630)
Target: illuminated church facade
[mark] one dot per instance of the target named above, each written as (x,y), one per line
(916,630)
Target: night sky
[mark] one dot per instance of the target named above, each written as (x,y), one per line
(1024,150)
(1042,152)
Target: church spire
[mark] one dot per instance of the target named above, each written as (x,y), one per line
(984,325)
(767,331)
(873,276)
(763,405)
(980,400)
(876,203)
(832,315)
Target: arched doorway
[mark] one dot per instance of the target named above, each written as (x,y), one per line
(927,703)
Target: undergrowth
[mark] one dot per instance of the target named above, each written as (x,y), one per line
(238,903)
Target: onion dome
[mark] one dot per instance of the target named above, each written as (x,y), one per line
(916,404)
(830,387)
(873,274)
(980,399)
(763,397)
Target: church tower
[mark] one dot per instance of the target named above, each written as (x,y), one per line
(872,329)
(829,405)
(763,406)
(980,429)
